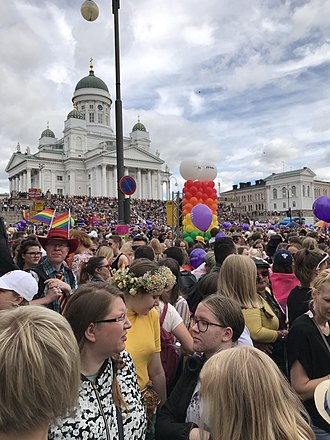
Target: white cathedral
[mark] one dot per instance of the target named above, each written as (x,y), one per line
(83,161)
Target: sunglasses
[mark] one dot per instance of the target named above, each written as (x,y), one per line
(324,259)
(262,275)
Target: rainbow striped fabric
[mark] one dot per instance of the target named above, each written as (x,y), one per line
(46,216)
(25,214)
(62,221)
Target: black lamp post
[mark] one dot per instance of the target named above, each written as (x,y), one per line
(90,12)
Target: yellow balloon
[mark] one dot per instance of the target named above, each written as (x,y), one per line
(189,228)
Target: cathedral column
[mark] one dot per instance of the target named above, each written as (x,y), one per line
(159,186)
(104,191)
(24,181)
(139,184)
(92,181)
(126,172)
(53,182)
(115,183)
(168,189)
(98,181)
(28,179)
(149,195)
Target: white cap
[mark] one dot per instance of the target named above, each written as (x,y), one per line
(93,234)
(20,282)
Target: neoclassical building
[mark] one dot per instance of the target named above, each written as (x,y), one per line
(295,190)
(83,161)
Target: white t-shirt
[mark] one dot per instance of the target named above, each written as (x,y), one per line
(172,318)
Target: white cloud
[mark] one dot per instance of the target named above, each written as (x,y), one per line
(244,84)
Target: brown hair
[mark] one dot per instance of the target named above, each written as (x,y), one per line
(88,268)
(140,266)
(90,303)
(305,262)
(82,236)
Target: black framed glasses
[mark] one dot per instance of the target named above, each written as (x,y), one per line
(33,254)
(120,318)
(324,259)
(203,325)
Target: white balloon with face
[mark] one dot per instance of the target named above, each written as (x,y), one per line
(207,171)
(189,169)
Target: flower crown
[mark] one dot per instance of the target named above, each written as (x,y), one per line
(161,279)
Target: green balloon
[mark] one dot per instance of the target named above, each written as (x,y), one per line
(189,240)
(193,234)
(185,234)
(208,234)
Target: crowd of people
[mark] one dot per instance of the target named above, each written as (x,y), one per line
(226,338)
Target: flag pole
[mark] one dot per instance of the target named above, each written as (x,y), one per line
(51,223)
(69,223)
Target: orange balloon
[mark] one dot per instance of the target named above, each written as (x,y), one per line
(193,201)
(209,202)
(184,212)
(188,207)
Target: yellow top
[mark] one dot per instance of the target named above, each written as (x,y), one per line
(261,328)
(143,340)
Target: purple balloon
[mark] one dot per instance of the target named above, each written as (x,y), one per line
(226,225)
(221,234)
(197,257)
(245,227)
(271,227)
(321,208)
(201,217)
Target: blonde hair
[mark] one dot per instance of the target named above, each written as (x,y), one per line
(105,251)
(127,249)
(245,397)
(237,280)
(321,279)
(309,243)
(39,369)
(155,244)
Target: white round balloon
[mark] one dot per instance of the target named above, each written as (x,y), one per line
(207,171)
(189,169)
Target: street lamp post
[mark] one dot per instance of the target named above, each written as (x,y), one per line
(90,12)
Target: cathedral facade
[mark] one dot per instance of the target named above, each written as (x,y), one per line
(83,161)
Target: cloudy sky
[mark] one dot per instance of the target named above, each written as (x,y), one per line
(242,83)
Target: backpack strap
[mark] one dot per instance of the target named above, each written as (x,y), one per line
(163,314)
(42,278)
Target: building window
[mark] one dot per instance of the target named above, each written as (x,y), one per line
(294,191)
(275,206)
(89,177)
(59,178)
(304,191)
(308,191)
(325,192)
(284,205)
(274,193)
(91,117)
(107,120)
(60,191)
(68,176)
(100,118)
(283,192)
(91,106)
(82,107)
(293,204)
(83,115)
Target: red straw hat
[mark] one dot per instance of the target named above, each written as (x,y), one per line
(59,235)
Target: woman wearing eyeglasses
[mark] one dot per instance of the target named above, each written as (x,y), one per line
(29,254)
(96,269)
(218,323)
(110,405)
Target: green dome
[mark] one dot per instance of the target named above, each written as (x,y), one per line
(75,114)
(139,127)
(48,133)
(91,81)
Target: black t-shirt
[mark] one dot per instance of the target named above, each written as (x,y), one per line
(298,302)
(305,344)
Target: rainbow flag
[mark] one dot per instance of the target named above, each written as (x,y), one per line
(46,216)
(62,221)
(25,214)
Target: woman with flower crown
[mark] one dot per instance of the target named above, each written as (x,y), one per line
(143,283)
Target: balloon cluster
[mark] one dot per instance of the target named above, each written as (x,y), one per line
(200,200)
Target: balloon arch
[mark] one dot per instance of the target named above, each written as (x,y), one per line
(200,199)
